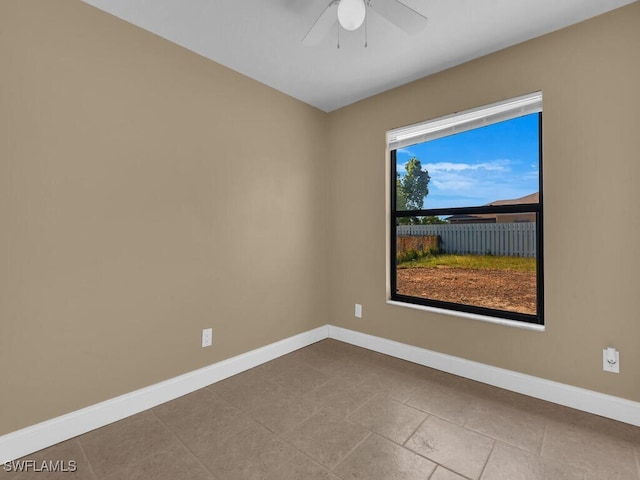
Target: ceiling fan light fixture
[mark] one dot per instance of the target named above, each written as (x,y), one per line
(351,14)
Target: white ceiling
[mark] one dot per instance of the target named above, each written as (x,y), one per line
(263,39)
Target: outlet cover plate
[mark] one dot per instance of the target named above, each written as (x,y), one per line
(608,367)
(358,310)
(207,337)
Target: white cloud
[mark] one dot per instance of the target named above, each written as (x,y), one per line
(405,151)
(457,184)
(453,183)
(500,165)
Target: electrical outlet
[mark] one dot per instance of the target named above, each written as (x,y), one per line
(207,337)
(611,360)
(358,310)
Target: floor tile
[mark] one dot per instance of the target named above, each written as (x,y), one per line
(369,357)
(301,379)
(208,428)
(363,414)
(429,375)
(319,355)
(380,459)
(594,424)
(339,348)
(301,468)
(608,453)
(392,384)
(401,366)
(340,397)
(173,463)
(463,451)
(446,400)
(497,398)
(350,368)
(510,463)
(65,460)
(507,423)
(274,367)
(442,473)
(283,414)
(389,418)
(180,407)
(248,393)
(326,438)
(252,454)
(611,475)
(112,449)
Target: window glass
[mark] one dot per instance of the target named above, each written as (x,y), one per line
(467,220)
(476,167)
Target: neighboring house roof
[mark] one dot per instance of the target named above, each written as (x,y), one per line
(492,217)
(532,198)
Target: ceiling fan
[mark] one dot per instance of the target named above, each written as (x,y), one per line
(350,14)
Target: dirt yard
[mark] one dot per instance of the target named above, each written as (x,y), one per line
(501,289)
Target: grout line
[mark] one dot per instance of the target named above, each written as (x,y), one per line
(414,432)
(506,442)
(322,408)
(181,443)
(316,462)
(319,386)
(455,473)
(488,458)
(544,440)
(300,397)
(439,464)
(192,453)
(84,454)
(348,417)
(284,464)
(352,450)
(137,459)
(544,437)
(434,472)
(383,397)
(300,452)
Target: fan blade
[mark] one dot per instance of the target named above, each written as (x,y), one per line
(400,15)
(323,25)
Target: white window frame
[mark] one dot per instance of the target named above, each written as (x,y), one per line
(448,125)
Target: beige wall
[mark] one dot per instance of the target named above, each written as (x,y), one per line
(589,75)
(135,210)
(143,197)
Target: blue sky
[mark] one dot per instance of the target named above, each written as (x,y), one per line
(496,162)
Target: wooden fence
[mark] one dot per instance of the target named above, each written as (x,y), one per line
(509,239)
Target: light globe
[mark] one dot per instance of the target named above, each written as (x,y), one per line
(351,14)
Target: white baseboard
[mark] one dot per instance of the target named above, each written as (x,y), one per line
(23,442)
(31,439)
(597,403)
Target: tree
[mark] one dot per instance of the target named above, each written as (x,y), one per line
(415,184)
(401,196)
(433,220)
(411,189)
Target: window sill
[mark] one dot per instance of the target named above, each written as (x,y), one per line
(471,316)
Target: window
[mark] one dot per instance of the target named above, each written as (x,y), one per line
(466,211)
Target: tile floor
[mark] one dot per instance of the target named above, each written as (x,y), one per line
(335,411)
